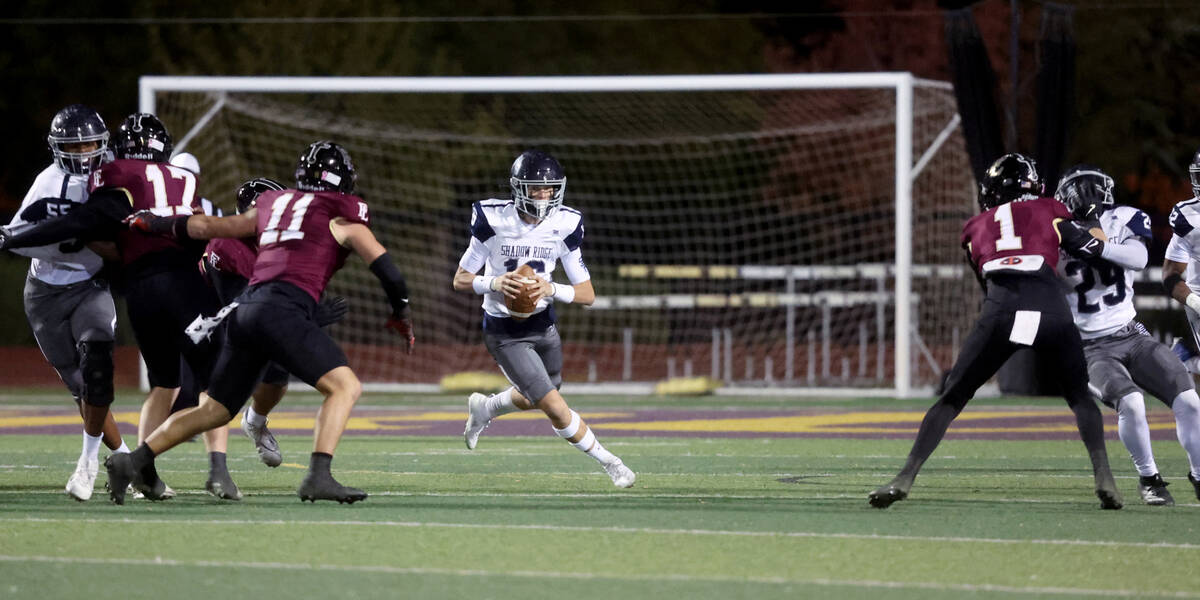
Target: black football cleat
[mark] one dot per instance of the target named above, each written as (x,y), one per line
(1195,484)
(1110,499)
(120,475)
(886,495)
(325,487)
(1154,491)
(222,486)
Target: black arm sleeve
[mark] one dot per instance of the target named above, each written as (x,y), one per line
(101,215)
(392,282)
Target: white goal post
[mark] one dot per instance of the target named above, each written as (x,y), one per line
(808,156)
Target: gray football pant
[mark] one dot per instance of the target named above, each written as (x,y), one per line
(1121,362)
(533,362)
(64,315)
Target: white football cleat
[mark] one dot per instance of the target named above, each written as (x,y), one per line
(477,420)
(83,480)
(264,443)
(620,474)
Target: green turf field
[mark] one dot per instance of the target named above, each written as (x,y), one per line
(530,517)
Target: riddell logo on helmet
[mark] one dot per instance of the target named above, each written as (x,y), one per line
(1011,260)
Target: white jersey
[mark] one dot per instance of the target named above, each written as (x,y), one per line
(501,242)
(1185,239)
(1101,295)
(53,193)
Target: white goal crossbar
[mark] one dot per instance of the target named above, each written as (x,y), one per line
(901,83)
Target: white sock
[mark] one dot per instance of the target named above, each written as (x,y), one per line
(1135,433)
(587,444)
(254,418)
(123,449)
(91,446)
(500,404)
(598,452)
(1186,407)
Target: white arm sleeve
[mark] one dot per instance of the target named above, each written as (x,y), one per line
(475,256)
(576,269)
(1179,250)
(1130,254)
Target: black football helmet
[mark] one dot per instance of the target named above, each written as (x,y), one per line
(1194,173)
(77,124)
(1085,186)
(142,136)
(248,192)
(1011,177)
(536,169)
(326,166)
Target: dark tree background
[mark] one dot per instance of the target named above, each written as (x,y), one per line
(1137,66)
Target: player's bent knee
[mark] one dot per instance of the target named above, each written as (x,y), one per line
(341,381)
(96,368)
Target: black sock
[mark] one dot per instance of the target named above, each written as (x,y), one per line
(319,463)
(216,462)
(933,429)
(142,459)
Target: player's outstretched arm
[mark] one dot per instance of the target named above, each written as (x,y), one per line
(195,227)
(102,211)
(359,238)
(1176,287)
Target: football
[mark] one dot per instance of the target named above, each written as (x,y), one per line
(523,305)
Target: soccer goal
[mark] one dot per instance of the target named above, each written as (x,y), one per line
(779,233)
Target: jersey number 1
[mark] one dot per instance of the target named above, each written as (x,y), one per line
(272,233)
(1009,240)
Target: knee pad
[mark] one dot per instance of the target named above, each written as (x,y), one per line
(96,368)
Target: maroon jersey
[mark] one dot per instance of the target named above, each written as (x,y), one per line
(1016,236)
(294,241)
(232,256)
(163,189)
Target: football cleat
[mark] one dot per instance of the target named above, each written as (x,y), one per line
(167,493)
(83,480)
(1195,484)
(887,495)
(222,486)
(477,419)
(621,475)
(1154,491)
(1110,498)
(264,443)
(325,487)
(120,476)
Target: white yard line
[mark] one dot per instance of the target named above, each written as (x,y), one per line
(663,577)
(633,530)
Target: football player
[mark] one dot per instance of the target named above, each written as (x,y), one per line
(228,264)
(69,308)
(533,228)
(1012,246)
(1120,353)
(164,291)
(1183,259)
(304,236)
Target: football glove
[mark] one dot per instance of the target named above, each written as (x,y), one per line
(402,324)
(331,310)
(148,222)
(1078,241)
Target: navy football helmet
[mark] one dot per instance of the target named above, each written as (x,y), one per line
(326,166)
(1011,177)
(77,124)
(142,136)
(248,192)
(1086,190)
(536,169)
(1194,173)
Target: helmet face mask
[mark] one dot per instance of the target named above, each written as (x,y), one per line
(1011,177)
(538,184)
(142,136)
(1083,186)
(326,166)
(78,139)
(249,192)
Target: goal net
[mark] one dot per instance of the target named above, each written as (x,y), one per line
(774,232)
